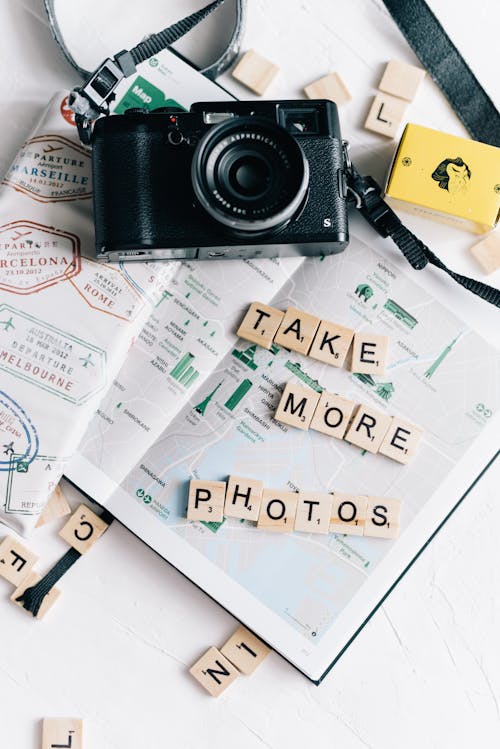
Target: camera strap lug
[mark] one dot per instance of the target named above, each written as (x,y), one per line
(366,195)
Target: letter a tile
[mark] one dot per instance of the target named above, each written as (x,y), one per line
(62,732)
(214,672)
(297,330)
(16,561)
(83,529)
(297,405)
(260,324)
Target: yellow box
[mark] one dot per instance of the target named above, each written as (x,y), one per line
(449,179)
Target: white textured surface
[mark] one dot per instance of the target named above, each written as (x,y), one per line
(424,671)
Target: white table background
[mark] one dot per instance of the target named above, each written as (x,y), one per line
(115,649)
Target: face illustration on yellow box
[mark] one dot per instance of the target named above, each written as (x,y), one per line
(453,175)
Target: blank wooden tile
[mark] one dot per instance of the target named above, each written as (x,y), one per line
(401,440)
(277,510)
(401,79)
(56,507)
(260,324)
(332,415)
(214,672)
(487,252)
(382,517)
(385,115)
(255,72)
(368,428)
(245,651)
(313,512)
(331,343)
(206,500)
(83,529)
(348,514)
(49,600)
(243,498)
(369,353)
(16,561)
(62,732)
(297,405)
(330,87)
(297,330)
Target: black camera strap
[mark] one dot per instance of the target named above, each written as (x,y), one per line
(93,99)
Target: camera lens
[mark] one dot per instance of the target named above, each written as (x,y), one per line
(250,174)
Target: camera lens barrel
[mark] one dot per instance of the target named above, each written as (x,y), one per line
(250,175)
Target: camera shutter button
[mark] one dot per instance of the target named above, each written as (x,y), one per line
(175,137)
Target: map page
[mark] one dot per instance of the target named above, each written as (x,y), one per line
(192,401)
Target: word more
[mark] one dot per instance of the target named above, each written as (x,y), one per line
(286,511)
(309,335)
(361,425)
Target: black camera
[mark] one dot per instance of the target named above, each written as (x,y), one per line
(224,180)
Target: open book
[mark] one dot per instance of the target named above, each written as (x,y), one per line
(193,401)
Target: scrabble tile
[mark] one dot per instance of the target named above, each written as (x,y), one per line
(385,115)
(16,561)
(260,324)
(487,252)
(331,87)
(369,353)
(243,498)
(401,79)
(206,500)
(382,517)
(331,343)
(62,732)
(49,600)
(313,512)
(255,72)
(297,330)
(332,415)
(83,529)
(348,514)
(277,510)
(368,428)
(56,507)
(245,651)
(401,440)
(214,672)
(297,405)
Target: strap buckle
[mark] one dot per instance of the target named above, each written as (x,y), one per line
(366,192)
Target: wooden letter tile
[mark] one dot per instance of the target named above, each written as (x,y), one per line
(83,529)
(243,498)
(56,507)
(297,405)
(277,510)
(369,353)
(331,343)
(331,87)
(297,330)
(368,428)
(382,517)
(385,115)
(313,512)
(401,440)
(487,252)
(206,500)
(245,651)
(255,72)
(348,514)
(62,732)
(332,415)
(49,600)
(260,324)
(401,79)
(16,561)
(214,672)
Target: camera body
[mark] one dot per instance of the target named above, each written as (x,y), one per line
(224,180)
